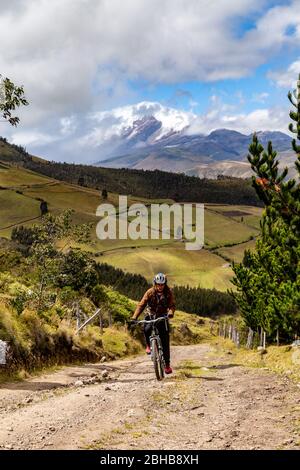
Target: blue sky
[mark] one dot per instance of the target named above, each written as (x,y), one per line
(226,63)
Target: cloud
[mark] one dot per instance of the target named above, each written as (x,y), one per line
(68,125)
(63,51)
(78,56)
(113,123)
(221,115)
(287,78)
(260,97)
(102,132)
(32,138)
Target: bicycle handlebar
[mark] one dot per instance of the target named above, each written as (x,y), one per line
(136,322)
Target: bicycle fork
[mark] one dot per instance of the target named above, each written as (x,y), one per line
(156,338)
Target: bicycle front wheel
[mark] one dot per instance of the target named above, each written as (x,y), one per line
(157,362)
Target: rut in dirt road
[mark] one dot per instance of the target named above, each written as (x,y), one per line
(208,403)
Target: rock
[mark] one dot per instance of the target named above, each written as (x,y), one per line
(103,359)
(104,374)
(78,383)
(52,429)
(93,374)
(28,400)
(107,388)
(8,446)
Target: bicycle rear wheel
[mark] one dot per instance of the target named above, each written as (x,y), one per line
(158,366)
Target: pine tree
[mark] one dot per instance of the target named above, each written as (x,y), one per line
(268,279)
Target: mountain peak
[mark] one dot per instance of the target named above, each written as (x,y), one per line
(223,131)
(142,128)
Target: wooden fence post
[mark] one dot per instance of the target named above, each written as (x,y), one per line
(77,316)
(238,339)
(261,337)
(101,323)
(264,340)
(250,338)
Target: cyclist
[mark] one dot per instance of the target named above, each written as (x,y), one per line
(160,300)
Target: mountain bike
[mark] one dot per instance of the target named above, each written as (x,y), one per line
(157,354)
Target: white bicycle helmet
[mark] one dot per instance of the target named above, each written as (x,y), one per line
(160,278)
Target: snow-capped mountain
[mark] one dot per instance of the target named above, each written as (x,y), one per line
(151,136)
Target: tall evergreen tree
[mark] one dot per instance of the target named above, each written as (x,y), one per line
(268,279)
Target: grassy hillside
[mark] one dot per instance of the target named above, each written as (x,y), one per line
(224,225)
(196,268)
(141,183)
(47,338)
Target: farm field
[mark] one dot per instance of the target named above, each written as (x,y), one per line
(224,225)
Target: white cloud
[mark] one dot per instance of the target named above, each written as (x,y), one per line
(59,50)
(32,138)
(260,97)
(287,78)
(221,115)
(68,125)
(113,123)
(78,56)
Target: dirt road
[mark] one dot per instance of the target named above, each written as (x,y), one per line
(208,403)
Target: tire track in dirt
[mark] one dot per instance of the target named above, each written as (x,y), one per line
(227,406)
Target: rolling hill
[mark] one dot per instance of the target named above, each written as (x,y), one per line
(22,190)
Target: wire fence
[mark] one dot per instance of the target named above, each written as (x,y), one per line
(243,336)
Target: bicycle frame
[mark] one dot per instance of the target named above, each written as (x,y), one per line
(154,337)
(157,355)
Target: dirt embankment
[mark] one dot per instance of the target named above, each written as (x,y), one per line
(208,403)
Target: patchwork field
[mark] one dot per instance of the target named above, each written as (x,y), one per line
(224,225)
